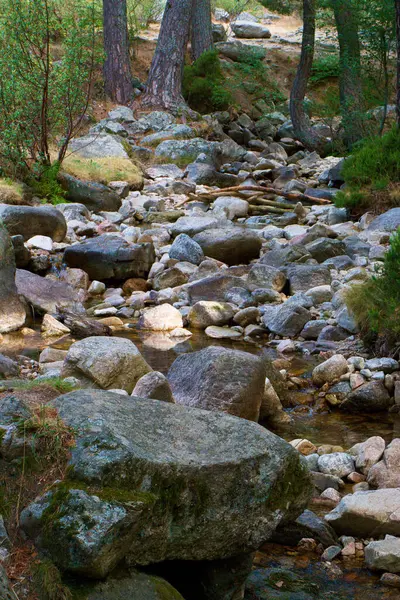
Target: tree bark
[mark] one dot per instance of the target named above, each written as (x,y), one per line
(397,5)
(301,122)
(201,31)
(117,70)
(351,94)
(164,84)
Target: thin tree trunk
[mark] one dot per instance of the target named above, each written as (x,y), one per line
(397,5)
(301,122)
(117,70)
(201,32)
(351,94)
(164,84)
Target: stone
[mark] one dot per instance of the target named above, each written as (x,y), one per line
(136,586)
(153,385)
(187,150)
(204,174)
(387,365)
(222,333)
(232,246)
(304,277)
(232,206)
(387,221)
(213,288)
(368,398)
(367,514)
(320,294)
(307,525)
(12,311)
(161,318)
(206,313)
(305,447)
(265,276)
(330,370)
(98,145)
(323,481)
(8,367)
(368,453)
(105,362)
(332,495)
(170,456)
(390,580)
(239,52)
(324,248)
(271,408)
(170,278)
(95,196)
(386,472)
(5,586)
(111,257)
(384,555)
(52,327)
(184,248)
(30,221)
(40,242)
(218,379)
(339,464)
(331,552)
(193,225)
(46,294)
(313,329)
(286,320)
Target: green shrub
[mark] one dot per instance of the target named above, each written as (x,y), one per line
(203,84)
(372,174)
(325,66)
(46,185)
(375,304)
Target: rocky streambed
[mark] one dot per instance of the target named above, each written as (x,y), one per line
(178,316)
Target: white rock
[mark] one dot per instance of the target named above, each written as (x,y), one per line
(41,242)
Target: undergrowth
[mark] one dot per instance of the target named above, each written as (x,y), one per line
(375,304)
(48,582)
(372,175)
(46,185)
(325,66)
(203,84)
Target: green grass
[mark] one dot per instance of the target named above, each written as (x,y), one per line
(57,383)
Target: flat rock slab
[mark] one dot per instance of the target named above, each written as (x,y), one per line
(29,221)
(220,485)
(213,287)
(367,514)
(111,257)
(45,294)
(233,246)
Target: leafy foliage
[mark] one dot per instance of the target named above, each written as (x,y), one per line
(373,167)
(46,186)
(203,84)
(375,304)
(324,67)
(42,99)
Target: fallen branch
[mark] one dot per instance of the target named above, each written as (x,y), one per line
(238,190)
(267,209)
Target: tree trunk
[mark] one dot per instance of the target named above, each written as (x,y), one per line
(164,84)
(117,70)
(397,4)
(301,122)
(201,32)
(351,94)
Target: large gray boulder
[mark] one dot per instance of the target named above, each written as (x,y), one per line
(12,311)
(29,221)
(94,196)
(193,225)
(304,277)
(384,555)
(386,472)
(44,294)
(206,313)
(98,145)
(186,150)
(265,276)
(169,482)
(367,514)
(368,398)
(153,385)
(219,379)
(214,287)
(111,257)
(286,319)
(239,52)
(388,221)
(231,245)
(186,249)
(249,30)
(105,362)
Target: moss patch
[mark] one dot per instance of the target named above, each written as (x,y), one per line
(103,170)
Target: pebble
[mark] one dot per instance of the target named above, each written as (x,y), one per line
(331,552)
